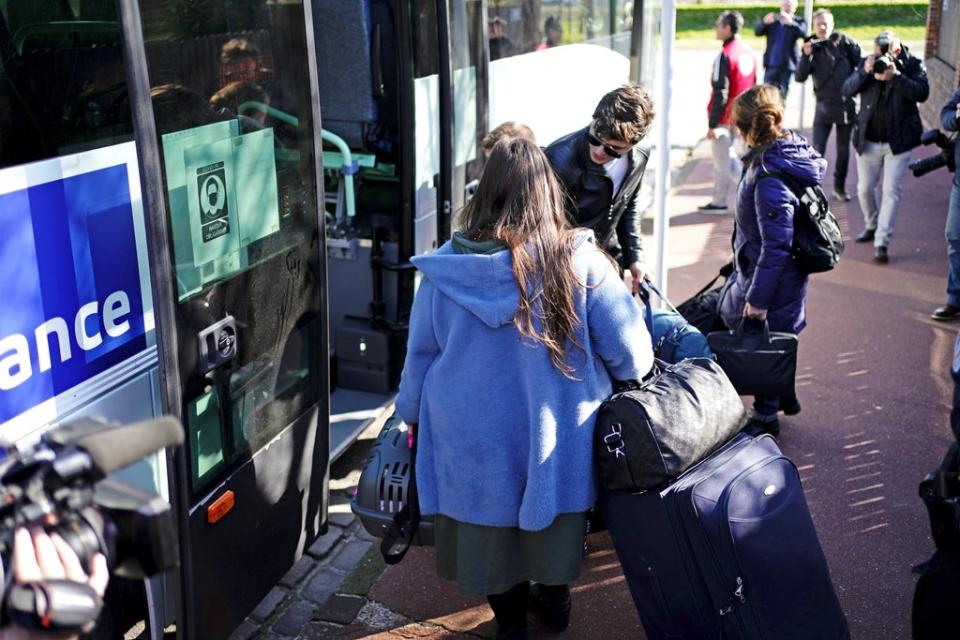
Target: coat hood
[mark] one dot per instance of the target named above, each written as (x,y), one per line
(482,284)
(794,157)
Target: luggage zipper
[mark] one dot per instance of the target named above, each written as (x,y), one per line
(728,538)
(750,627)
(737,594)
(687,482)
(719,573)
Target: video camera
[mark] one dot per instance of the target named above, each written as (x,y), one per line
(59,485)
(945,158)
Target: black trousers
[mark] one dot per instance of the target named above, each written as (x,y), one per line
(821,132)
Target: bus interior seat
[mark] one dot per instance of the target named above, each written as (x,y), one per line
(344,32)
(356,49)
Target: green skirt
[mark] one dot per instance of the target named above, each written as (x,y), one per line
(490,560)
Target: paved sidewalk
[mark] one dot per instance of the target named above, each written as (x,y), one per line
(873,380)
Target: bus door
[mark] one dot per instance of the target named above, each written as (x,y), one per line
(387,121)
(226,117)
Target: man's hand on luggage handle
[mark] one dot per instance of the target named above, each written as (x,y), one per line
(638,271)
(754,313)
(711,134)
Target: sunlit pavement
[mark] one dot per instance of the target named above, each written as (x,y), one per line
(874,384)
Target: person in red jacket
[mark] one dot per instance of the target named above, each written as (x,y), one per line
(734,71)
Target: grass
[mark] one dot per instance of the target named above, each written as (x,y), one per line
(912,35)
(862,21)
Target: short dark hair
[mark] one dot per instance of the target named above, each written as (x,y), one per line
(624,114)
(552,22)
(733,19)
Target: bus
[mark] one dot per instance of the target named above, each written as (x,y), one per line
(207,209)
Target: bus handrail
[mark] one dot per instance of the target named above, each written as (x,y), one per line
(349,168)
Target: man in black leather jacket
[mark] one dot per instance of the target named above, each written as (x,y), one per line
(601,167)
(888,127)
(830,57)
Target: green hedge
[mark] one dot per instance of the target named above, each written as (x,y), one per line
(847,14)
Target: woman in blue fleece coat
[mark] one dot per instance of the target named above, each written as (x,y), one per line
(766,283)
(518,330)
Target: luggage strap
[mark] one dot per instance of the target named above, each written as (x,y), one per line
(407,520)
(724,272)
(645,288)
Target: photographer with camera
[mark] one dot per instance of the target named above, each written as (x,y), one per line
(891,83)
(40,558)
(830,57)
(950,121)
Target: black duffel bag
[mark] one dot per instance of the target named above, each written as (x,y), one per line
(758,363)
(648,434)
(702,309)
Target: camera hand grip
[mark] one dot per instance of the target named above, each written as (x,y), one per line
(53,606)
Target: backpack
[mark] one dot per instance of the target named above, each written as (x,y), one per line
(674,339)
(817,240)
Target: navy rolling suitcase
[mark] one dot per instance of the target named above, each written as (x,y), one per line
(727,551)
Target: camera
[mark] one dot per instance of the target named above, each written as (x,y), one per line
(60,485)
(819,43)
(945,158)
(884,62)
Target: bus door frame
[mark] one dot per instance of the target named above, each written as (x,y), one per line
(162,279)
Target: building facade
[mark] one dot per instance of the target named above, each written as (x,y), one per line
(942,56)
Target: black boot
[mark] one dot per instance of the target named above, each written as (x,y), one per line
(553,602)
(789,405)
(510,610)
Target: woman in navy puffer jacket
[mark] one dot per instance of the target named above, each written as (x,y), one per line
(766,283)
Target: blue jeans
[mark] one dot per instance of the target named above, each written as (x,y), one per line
(952,233)
(779,76)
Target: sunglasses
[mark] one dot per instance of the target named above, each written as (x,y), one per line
(607,149)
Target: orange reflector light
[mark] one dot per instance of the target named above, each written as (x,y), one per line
(220,507)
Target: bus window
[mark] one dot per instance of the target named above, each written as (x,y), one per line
(62,84)
(518,27)
(564,56)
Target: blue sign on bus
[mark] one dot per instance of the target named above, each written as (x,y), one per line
(70,293)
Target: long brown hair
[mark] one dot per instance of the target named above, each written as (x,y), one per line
(519,202)
(758,112)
